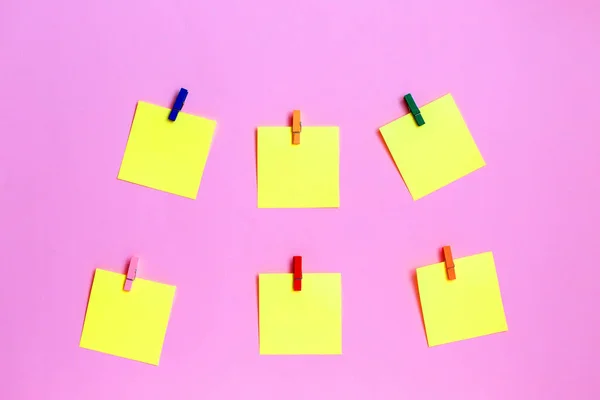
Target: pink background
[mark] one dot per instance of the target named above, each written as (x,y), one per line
(525,75)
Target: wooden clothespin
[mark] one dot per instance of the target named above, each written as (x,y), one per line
(131,273)
(297,263)
(449,263)
(179,101)
(296,127)
(414,110)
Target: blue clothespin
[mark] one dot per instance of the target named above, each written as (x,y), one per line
(178,104)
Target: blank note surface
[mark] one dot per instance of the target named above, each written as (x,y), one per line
(300,322)
(436,154)
(167,155)
(305,175)
(464,308)
(127,324)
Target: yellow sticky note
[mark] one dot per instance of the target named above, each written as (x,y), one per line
(464,308)
(304,322)
(167,155)
(127,324)
(306,175)
(436,154)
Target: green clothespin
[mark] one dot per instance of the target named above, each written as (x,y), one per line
(414,110)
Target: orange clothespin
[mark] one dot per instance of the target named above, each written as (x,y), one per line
(449,263)
(131,273)
(297,264)
(296,127)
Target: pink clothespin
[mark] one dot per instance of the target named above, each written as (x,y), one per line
(131,273)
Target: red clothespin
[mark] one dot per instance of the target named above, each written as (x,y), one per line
(297,273)
(449,263)
(296,127)
(131,273)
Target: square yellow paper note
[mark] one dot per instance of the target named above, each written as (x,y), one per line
(167,155)
(304,322)
(127,324)
(306,175)
(464,308)
(436,154)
